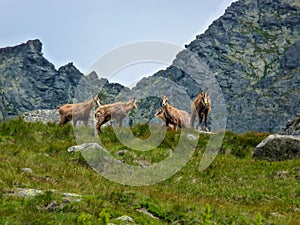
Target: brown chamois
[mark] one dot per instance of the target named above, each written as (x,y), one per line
(162,115)
(77,111)
(178,117)
(117,111)
(201,106)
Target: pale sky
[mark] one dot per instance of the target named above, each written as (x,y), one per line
(82,31)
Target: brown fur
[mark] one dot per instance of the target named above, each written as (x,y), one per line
(201,106)
(117,111)
(162,115)
(177,117)
(77,112)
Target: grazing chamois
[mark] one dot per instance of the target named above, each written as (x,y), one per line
(77,111)
(117,111)
(175,116)
(164,117)
(201,106)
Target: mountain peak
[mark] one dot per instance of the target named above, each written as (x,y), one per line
(34,45)
(31,45)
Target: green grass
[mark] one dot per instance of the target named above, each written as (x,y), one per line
(234,189)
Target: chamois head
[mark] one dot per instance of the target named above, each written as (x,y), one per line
(159,113)
(96,101)
(165,100)
(133,103)
(205,99)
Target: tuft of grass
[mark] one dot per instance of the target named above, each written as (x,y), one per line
(242,145)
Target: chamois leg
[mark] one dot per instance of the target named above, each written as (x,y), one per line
(98,128)
(170,126)
(60,122)
(200,121)
(119,122)
(193,116)
(74,122)
(167,123)
(179,125)
(206,122)
(101,120)
(63,121)
(86,121)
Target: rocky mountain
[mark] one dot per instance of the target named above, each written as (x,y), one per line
(253,50)
(29,82)
(250,56)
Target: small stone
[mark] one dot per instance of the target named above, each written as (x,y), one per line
(27,170)
(126,218)
(122,152)
(143,163)
(192,137)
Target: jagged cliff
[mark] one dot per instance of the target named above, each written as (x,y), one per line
(254,50)
(28,81)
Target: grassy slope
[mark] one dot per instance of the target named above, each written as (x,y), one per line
(237,188)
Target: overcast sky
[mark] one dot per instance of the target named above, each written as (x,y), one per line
(83,31)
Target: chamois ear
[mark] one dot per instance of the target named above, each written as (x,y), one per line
(96,99)
(165,98)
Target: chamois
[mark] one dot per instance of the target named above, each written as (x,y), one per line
(164,117)
(117,111)
(201,106)
(77,111)
(178,117)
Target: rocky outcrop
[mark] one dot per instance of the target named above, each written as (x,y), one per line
(283,146)
(41,115)
(278,148)
(30,82)
(292,127)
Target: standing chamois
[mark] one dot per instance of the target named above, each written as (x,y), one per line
(117,111)
(175,116)
(77,111)
(201,106)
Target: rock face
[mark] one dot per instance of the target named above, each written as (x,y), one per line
(254,52)
(29,82)
(278,148)
(292,127)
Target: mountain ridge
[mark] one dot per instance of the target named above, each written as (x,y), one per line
(253,51)
(29,81)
